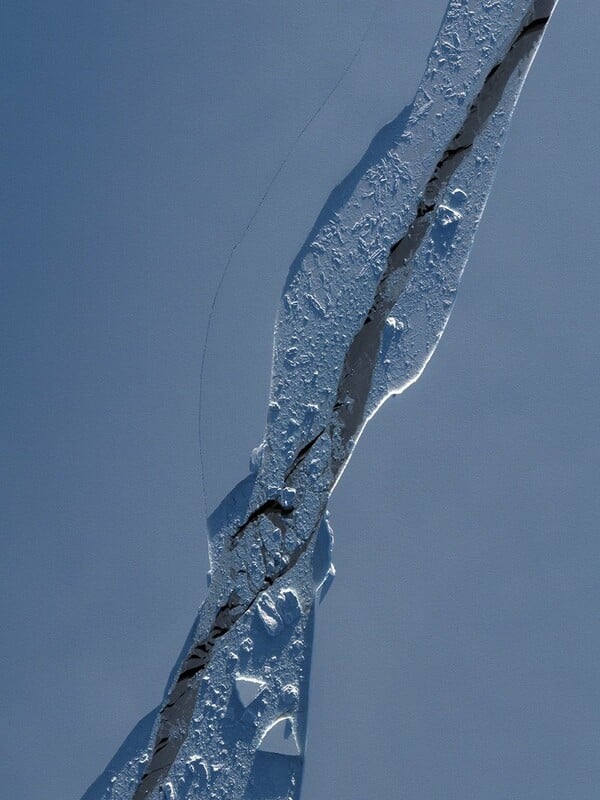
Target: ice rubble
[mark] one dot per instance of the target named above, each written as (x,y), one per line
(365,303)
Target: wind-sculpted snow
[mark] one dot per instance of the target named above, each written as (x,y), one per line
(364,306)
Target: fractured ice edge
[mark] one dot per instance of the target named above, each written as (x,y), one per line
(364,305)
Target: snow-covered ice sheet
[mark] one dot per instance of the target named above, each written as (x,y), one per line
(364,305)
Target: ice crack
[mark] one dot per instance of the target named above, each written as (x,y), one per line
(380,272)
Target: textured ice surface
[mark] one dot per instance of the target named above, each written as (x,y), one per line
(364,305)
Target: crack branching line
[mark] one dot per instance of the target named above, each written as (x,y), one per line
(349,407)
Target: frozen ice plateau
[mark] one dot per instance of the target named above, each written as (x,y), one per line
(364,305)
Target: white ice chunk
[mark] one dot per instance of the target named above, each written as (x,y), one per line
(248,689)
(288,606)
(168,792)
(279,612)
(395,324)
(458,197)
(448,216)
(287,498)
(269,615)
(281,738)
(256,457)
(197,767)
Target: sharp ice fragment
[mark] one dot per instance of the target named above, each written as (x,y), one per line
(248,689)
(280,738)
